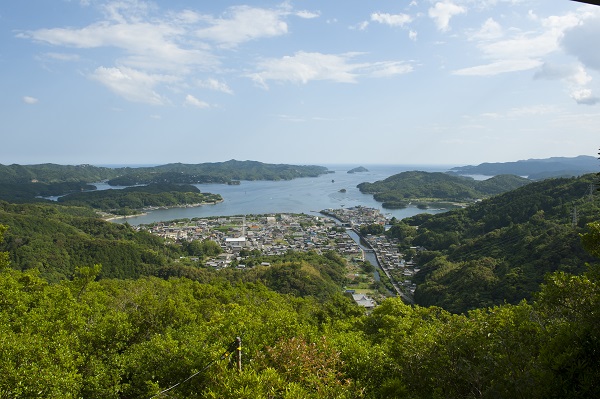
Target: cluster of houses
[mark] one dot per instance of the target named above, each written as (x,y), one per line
(280,233)
(392,262)
(356,216)
(270,234)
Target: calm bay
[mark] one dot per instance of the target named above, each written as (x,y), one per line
(304,195)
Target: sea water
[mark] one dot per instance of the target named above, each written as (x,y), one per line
(303,195)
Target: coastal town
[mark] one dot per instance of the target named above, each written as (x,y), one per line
(275,234)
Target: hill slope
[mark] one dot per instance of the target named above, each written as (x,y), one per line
(415,185)
(500,249)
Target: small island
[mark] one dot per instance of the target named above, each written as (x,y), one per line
(343,190)
(359,169)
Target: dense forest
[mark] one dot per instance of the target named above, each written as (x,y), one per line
(210,172)
(500,249)
(152,337)
(398,190)
(131,200)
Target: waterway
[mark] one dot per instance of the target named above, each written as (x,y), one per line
(305,195)
(369,255)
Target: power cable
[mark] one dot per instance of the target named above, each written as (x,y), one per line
(225,354)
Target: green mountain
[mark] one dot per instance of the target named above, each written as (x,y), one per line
(217,172)
(416,185)
(500,249)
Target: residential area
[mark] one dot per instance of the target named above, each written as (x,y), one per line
(275,234)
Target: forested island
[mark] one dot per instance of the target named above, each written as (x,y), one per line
(133,200)
(359,169)
(210,172)
(399,190)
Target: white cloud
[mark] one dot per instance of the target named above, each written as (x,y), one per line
(391,19)
(442,12)
(361,26)
(572,73)
(584,96)
(307,14)
(194,102)
(304,67)
(579,40)
(147,45)
(521,51)
(243,24)
(489,30)
(498,67)
(133,85)
(30,100)
(213,84)
(412,35)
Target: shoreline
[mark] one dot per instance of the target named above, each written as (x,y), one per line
(146,210)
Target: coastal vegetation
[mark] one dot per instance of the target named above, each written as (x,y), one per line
(217,172)
(132,200)
(399,190)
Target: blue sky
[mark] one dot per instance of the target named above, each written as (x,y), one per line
(303,82)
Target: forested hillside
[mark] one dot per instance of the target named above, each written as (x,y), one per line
(173,338)
(499,250)
(210,172)
(397,190)
(133,200)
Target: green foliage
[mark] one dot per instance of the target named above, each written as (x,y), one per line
(52,173)
(135,199)
(218,172)
(375,229)
(55,239)
(400,188)
(135,338)
(500,249)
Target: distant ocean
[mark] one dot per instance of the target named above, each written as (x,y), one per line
(305,195)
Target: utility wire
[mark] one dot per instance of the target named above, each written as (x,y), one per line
(229,350)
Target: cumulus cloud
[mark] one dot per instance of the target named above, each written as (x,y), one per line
(30,100)
(214,84)
(155,46)
(412,35)
(133,85)
(489,30)
(304,67)
(578,41)
(584,96)
(522,50)
(571,73)
(391,19)
(194,102)
(442,12)
(242,24)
